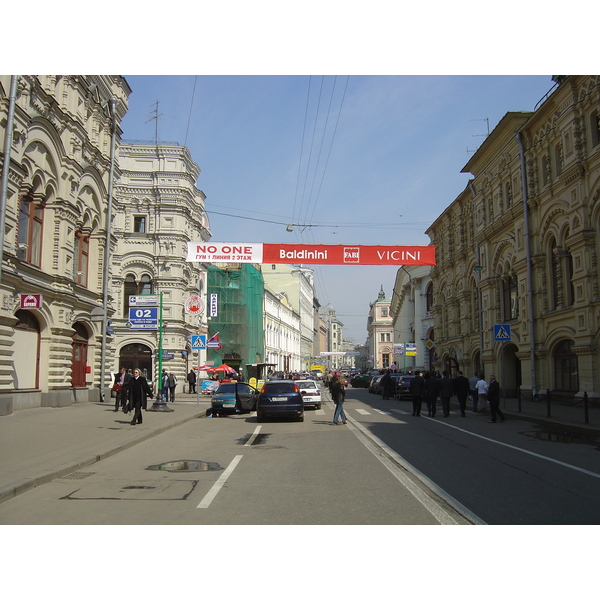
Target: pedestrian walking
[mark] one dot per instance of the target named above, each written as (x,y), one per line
(387,384)
(417,392)
(445,393)
(172,382)
(121,382)
(494,399)
(461,389)
(191,379)
(432,391)
(138,393)
(482,392)
(338,394)
(473,390)
(164,386)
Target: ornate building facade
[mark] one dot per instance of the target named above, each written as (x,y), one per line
(519,247)
(158,209)
(56,184)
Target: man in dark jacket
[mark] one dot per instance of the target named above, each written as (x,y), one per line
(494,399)
(461,388)
(139,392)
(417,392)
(432,391)
(445,393)
(386,384)
(121,383)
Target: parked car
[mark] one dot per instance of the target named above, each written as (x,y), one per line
(311,392)
(280,399)
(374,384)
(403,387)
(360,381)
(232,397)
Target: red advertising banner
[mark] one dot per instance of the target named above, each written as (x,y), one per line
(309,254)
(316,254)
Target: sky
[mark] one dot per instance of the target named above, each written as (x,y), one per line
(346,159)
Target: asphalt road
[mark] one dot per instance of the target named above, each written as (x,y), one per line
(384,468)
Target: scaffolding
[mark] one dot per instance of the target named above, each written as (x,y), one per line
(239,319)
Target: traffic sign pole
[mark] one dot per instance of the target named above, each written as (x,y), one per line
(159,403)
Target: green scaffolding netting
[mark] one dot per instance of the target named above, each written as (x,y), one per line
(239,320)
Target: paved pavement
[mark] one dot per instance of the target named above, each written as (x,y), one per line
(41,444)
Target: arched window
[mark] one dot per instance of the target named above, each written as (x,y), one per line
(82,252)
(31,221)
(565,368)
(510,298)
(79,359)
(132,287)
(429,298)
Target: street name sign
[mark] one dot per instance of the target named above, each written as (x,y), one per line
(144,300)
(143,318)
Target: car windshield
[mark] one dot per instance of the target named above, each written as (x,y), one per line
(306,385)
(279,388)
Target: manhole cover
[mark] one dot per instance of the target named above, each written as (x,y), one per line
(187,466)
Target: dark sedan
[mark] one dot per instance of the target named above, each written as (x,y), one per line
(280,399)
(403,387)
(360,381)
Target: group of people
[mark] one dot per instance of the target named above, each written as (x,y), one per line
(428,387)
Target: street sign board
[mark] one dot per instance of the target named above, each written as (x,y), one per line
(144,300)
(214,307)
(502,333)
(31,300)
(194,305)
(411,349)
(167,356)
(143,318)
(198,342)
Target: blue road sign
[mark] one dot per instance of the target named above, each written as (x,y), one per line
(198,342)
(143,318)
(502,333)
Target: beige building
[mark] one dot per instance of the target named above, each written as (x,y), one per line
(520,246)
(54,210)
(158,209)
(380,333)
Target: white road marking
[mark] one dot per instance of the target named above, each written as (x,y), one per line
(362,411)
(253,436)
(381,412)
(553,460)
(402,412)
(216,488)
(319,412)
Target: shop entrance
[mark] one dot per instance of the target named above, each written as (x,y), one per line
(137,356)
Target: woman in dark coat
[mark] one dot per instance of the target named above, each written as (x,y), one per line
(139,391)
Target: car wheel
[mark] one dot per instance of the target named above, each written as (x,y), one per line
(301,419)
(259,420)
(318,407)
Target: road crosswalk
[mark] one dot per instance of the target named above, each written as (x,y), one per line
(363,411)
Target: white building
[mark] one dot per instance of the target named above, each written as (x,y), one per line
(282,332)
(411,312)
(158,209)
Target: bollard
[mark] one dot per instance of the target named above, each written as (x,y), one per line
(548,401)
(519,397)
(585,408)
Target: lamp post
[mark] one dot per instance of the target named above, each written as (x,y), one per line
(160,405)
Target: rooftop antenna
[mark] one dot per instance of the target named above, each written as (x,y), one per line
(481,134)
(155,116)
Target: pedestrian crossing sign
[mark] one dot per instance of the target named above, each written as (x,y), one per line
(198,342)
(502,333)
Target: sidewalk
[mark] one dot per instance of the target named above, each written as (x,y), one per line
(38,445)
(41,444)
